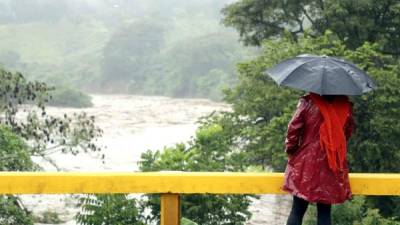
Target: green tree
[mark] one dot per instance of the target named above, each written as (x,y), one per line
(115,209)
(197,65)
(211,150)
(69,97)
(353,21)
(12,212)
(14,153)
(137,59)
(14,156)
(45,133)
(129,56)
(354,212)
(257,96)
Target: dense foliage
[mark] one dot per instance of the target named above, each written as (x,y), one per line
(353,21)
(115,209)
(14,156)
(69,97)
(354,212)
(200,66)
(139,60)
(12,212)
(210,150)
(129,56)
(257,96)
(14,153)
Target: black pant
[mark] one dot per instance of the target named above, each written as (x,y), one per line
(299,207)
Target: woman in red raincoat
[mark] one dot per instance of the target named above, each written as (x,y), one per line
(316,144)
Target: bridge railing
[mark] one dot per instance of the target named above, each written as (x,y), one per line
(171,184)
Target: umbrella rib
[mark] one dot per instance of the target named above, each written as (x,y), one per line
(368,79)
(322,75)
(351,78)
(295,70)
(340,61)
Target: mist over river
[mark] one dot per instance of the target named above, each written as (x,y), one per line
(133,125)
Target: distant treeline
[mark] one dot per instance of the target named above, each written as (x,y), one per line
(172,48)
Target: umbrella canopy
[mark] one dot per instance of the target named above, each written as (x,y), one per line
(323,75)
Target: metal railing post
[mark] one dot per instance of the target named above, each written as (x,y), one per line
(170,209)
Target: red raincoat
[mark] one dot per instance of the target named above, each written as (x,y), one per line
(307,174)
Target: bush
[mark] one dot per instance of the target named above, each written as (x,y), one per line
(14,153)
(208,151)
(354,212)
(69,97)
(14,156)
(108,209)
(12,213)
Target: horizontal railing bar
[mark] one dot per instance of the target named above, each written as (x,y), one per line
(175,182)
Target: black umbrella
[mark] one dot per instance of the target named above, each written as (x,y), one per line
(323,75)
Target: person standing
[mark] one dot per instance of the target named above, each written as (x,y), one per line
(316,144)
(316,141)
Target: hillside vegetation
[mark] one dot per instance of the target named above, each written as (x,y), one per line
(136,47)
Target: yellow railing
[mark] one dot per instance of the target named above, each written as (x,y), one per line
(171,184)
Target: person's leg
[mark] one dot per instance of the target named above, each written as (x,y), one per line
(324,214)
(299,207)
